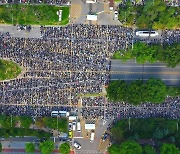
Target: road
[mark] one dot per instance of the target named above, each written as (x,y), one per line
(132,71)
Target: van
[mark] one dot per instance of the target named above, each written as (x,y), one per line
(92,137)
(78,126)
(74,125)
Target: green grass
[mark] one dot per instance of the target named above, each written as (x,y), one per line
(8,70)
(116,55)
(33,14)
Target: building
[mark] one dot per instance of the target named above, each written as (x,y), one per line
(89,126)
(92,17)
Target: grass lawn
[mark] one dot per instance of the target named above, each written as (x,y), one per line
(8,70)
(33,14)
(116,55)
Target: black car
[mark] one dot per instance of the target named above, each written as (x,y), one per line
(105,136)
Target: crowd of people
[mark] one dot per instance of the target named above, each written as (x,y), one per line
(98,107)
(65,63)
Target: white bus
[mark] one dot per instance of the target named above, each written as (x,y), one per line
(78,126)
(54,113)
(147,33)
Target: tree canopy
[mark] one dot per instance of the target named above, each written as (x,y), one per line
(64,148)
(143,52)
(0,147)
(154,91)
(114,149)
(30,147)
(25,121)
(160,16)
(145,131)
(149,150)
(127,147)
(47,147)
(169,149)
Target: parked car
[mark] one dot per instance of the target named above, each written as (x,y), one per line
(70,134)
(115,15)
(105,136)
(70,126)
(74,125)
(77,145)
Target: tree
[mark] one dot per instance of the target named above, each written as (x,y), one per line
(25,121)
(134,92)
(0,147)
(114,149)
(116,90)
(156,90)
(149,150)
(64,148)
(47,147)
(172,91)
(129,147)
(169,149)
(30,147)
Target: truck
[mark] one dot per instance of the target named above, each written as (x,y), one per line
(92,137)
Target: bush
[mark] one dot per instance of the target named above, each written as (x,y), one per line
(64,148)
(30,147)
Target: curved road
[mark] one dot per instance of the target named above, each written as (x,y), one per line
(132,71)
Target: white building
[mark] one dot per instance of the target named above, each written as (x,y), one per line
(89,126)
(92,17)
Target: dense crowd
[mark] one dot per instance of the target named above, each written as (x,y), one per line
(97,107)
(65,63)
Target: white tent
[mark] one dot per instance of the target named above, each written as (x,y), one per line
(89,126)
(90,1)
(92,17)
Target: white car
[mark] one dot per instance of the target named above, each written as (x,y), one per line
(115,15)
(77,145)
(74,125)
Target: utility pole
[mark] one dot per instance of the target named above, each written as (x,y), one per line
(129,123)
(177,125)
(11,120)
(57,122)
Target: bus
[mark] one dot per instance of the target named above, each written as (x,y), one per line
(147,33)
(54,113)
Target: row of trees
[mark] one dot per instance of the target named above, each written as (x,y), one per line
(47,147)
(7,132)
(130,146)
(143,52)
(157,130)
(25,122)
(137,92)
(160,16)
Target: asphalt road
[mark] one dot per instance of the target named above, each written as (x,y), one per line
(132,71)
